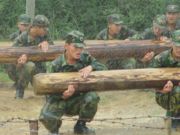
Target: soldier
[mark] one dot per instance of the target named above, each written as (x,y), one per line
(22,72)
(158,30)
(117,30)
(23,24)
(71,102)
(169,96)
(172,19)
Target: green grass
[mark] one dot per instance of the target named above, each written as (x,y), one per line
(4,77)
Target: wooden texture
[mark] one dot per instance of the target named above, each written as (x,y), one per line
(99,49)
(106,80)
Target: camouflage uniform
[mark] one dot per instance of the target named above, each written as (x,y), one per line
(169,101)
(124,33)
(159,22)
(22,19)
(83,104)
(172,9)
(23,75)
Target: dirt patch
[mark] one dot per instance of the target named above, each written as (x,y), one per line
(119,113)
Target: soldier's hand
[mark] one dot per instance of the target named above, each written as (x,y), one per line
(69,92)
(85,72)
(167,87)
(44,46)
(22,59)
(127,39)
(148,56)
(163,38)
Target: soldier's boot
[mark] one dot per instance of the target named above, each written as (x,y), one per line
(81,128)
(19,93)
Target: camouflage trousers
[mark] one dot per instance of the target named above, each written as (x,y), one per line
(82,104)
(128,63)
(21,75)
(171,102)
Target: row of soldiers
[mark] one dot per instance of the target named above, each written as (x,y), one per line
(74,59)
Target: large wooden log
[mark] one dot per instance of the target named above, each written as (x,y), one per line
(106,80)
(99,49)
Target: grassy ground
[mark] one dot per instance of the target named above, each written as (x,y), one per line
(3,76)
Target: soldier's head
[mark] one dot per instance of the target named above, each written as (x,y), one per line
(23,22)
(172,14)
(40,25)
(159,25)
(114,24)
(176,43)
(74,44)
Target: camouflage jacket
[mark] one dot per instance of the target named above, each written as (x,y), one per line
(124,34)
(24,40)
(168,33)
(60,64)
(14,35)
(165,59)
(149,34)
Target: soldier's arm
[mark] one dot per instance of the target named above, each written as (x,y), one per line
(95,64)
(49,39)
(156,62)
(19,41)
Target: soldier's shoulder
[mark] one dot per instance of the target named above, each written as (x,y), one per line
(101,34)
(57,61)
(14,35)
(164,54)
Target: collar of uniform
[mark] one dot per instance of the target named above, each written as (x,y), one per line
(29,39)
(64,61)
(172,59)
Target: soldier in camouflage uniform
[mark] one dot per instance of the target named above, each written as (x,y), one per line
(22,72)
(169,96)
(158,30)
(70,102)
(163,26)
(172,19)
(117,30)
(23,24)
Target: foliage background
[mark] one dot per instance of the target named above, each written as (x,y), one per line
(88,16)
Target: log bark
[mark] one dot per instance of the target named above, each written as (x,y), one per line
(98,49)
(106,80)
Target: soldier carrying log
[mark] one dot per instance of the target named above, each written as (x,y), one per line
(23,70)
(169,96)
(71,102)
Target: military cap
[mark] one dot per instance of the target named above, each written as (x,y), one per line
(76,37)
(160,22)
(172,8)
(40,20)
(176,37)
(114,18)
(24,19)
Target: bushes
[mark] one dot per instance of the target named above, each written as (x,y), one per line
(88,16)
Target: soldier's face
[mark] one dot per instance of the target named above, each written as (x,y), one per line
(114,28)
(42,31)
(23,27)
(176,51)
(172,17)
(73,52)
(157,31)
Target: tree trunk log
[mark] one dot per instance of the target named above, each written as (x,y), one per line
(98,49)
(106,80)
